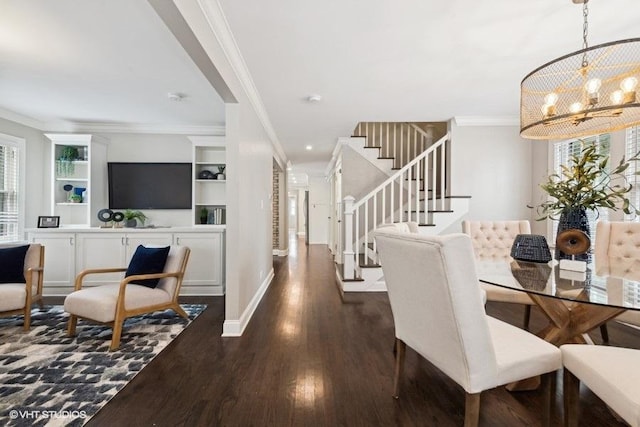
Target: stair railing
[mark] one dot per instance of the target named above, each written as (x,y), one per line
(407,195)
(400,141)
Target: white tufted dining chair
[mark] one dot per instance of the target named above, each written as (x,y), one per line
(439,315)
(618,242)
(611,373)
(492,241)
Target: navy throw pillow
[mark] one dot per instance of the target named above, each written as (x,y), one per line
(12,264)
(147,261)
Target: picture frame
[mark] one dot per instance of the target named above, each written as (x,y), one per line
(48,222)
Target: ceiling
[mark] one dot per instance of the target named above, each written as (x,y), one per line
(114,62)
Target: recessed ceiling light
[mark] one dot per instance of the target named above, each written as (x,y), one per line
(176,97)
(314,98)
(309,147)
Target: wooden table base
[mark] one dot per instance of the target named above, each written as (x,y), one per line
(569,323)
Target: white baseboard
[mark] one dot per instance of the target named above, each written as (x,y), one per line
(281,252)
(235,328)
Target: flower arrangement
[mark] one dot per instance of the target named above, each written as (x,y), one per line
(588,183)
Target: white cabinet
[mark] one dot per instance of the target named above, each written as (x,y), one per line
(59,261)
(112,249)
(69,253)
(133,240)
(205,271)
(78,178)
(209,180)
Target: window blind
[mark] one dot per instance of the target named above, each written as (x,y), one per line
(563,150)
(9,194)
(632,146)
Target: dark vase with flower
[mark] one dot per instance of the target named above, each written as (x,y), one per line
(573,218)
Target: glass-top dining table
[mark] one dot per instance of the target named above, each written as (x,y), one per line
(574,302)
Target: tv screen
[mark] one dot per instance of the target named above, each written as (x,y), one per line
(150,185)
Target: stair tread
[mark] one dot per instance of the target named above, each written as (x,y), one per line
(386,158)
(340,270)
(373,146)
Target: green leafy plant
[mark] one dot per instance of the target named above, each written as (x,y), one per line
(137,215)
(587,182)
(69,153)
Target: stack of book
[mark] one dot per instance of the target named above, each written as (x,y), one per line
(216,216)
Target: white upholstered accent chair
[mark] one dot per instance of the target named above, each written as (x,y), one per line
(610,372)
(492,241)
(17,298)
(438,311)
(111,304)
(618,242)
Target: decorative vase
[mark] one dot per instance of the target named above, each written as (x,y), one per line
(131,223)
(574,218)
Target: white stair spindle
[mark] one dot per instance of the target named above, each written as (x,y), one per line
(386,144)
(393,203)
(416,171)
(425,184)
(433,180)
(384,205)
(366,233)
(442,176)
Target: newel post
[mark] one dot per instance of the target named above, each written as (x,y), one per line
(348,254)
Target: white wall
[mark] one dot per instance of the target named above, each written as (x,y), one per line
(153,148)
(249,172)
(319,209)
(493,165)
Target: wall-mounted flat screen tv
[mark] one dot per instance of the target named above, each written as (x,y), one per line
(149,185)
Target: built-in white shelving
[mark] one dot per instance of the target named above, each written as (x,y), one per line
(209,181)
(78,178)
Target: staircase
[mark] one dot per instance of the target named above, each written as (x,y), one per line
(416,190)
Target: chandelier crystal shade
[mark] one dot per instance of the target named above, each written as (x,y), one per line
(588,92)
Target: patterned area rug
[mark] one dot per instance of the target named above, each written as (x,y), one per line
(49,379)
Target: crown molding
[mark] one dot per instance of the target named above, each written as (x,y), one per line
(20,119)
(136,128)
(141,128)
(219,25)
(487,120)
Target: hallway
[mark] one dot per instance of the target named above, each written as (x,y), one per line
(312,358)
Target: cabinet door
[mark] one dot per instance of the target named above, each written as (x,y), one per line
(205,271)
(59,261)
(101,250)
(145,239)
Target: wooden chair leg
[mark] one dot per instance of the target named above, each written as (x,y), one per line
(527,316)
(180,311)
(117,333)
(71,325)
(27,319)
(471,409)
(571,393)
(604,332)
(548,396)
(400,350)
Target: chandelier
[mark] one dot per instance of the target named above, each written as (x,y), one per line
(587,92)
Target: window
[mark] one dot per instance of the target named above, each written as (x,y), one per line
(632,146)
(11,182)
(562,152)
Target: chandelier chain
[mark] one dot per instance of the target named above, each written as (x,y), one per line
(585,32)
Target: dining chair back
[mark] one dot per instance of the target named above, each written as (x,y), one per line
(618,244)
(492,241)
(438,311)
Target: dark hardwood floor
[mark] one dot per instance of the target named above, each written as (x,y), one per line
(312,358)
